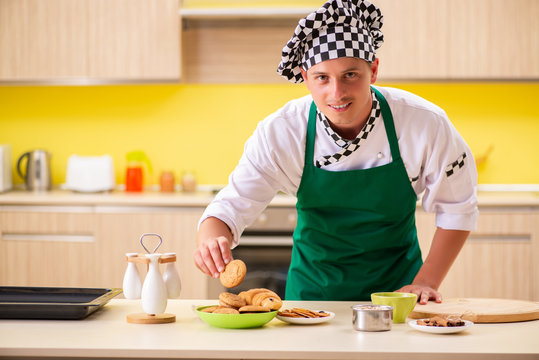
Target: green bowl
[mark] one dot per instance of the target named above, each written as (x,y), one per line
(403,303)
(236,321)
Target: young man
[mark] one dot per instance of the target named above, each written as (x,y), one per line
(356,156)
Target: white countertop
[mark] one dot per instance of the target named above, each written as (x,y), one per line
(203,198)
(106,333)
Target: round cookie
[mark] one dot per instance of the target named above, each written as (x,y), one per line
(253,309)
(225,310)
(233,274)
(210,309)
(230,300)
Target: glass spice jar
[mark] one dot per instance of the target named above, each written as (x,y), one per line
(167,181)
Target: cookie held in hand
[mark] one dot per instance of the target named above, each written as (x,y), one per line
(233,274)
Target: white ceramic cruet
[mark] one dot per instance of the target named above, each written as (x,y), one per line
(132,283)
(154,290)
(172,280)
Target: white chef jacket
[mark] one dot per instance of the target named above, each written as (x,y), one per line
(429,144)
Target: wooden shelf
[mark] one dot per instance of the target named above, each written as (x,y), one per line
(238,13)
(424,40)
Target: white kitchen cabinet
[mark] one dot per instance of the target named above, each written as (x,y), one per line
(89,41)
(424,39)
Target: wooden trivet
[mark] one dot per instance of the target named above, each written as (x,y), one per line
(143,318)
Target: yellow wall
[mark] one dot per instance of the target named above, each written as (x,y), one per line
(202,128)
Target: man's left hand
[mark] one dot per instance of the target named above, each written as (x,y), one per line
(424,293)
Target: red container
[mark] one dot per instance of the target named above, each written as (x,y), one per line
(133,179)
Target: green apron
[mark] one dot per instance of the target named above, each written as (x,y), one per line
(356,229)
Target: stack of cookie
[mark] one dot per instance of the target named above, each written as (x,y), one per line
(251,301)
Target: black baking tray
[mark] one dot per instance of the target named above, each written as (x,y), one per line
(61,303)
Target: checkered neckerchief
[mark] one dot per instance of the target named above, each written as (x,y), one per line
(348,146)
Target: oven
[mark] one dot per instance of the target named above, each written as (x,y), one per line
(266,248)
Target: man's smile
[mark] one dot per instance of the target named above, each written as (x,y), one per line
(339,108)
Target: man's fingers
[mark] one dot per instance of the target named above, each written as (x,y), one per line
(212,255)
(224,245)
(217,258)
(424,298)
(209,262)
(199,262)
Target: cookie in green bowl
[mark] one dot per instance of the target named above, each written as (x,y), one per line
(235,321)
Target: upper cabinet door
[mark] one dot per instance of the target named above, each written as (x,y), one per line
(42,40)
(134,39)
(459,39)
(89,40)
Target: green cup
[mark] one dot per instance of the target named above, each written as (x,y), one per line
(403,303)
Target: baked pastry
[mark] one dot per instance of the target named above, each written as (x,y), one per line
(233,274)
(272,302)
(230,300)
(249,295)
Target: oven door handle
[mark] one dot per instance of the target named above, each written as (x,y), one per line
(251,240)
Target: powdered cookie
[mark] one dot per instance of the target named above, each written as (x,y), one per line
(225,310)
(233,274)
(231,300)
(253,309)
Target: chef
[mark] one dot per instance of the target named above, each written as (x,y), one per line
(356,156)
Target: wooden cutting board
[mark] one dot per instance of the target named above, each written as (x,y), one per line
(480,310)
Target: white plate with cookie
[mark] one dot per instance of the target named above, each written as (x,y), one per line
(441,329)
(322,317)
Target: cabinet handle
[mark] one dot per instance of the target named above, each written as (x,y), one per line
(48,237)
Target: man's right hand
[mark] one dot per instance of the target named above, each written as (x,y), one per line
(213,251)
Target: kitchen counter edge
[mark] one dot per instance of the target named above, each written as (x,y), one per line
(203,198)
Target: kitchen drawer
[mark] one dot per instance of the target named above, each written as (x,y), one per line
(498,258)
(75,220)
(47,246)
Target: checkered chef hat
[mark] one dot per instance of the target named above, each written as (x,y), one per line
(340,28)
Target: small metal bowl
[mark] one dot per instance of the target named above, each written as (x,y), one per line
(372,317)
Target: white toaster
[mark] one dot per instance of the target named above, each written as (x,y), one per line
(90,173)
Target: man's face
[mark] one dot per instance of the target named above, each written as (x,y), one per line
(341,89)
